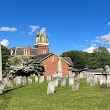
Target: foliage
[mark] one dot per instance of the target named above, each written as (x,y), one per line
(5,56)
(76,57)
(98,59)
(25,67)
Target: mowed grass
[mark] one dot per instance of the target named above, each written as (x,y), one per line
(34,97)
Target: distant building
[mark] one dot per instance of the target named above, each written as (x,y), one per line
(41,50)
(41,46)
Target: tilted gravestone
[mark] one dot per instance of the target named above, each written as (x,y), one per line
(56,81)
(2,90)
(50,88)
(75,87)
(7,82)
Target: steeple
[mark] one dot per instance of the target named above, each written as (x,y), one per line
(42,42)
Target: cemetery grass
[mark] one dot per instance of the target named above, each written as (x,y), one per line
(34,97)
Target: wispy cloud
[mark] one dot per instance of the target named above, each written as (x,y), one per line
(10,29)
(5,42)
(43,29)
(33,28)
(79,46)
(105,39)
(108,24)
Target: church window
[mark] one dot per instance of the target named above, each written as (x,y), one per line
(43,51)
(52,58)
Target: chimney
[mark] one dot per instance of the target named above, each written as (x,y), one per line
(28,50)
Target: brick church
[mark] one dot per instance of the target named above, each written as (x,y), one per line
(41,50)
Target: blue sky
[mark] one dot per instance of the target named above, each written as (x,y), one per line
(70,24)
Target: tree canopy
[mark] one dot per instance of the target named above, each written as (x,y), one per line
(5,56)
(98,59)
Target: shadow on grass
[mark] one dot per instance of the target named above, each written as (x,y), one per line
(7,97)
(6,91)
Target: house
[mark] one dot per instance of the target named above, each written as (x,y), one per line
(50,62)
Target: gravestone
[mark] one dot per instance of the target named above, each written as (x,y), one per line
(2,89)
(81,75)
(63,81)
(92,82)
(88,79)
(71,80)
(51,88)
(75,87)
(29,80)
(36,78)
(59,68)
(56,81)
(23,80)
(7,82)
(41,79)
(18,80)
(48,78)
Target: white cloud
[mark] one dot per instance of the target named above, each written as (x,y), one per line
(93,45)
(11,29)
(108,49)
(5,42)
(105,39)
(34,28)
(108,24)
(90,49)
(43,29)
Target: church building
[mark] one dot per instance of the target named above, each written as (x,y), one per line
(41,50)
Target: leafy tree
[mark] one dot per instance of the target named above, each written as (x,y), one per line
(5,56)
(76,57)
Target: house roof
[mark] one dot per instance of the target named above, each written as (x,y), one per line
(68,59)
(45,56)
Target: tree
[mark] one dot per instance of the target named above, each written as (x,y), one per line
(76,57)
(102,56)
(5,56)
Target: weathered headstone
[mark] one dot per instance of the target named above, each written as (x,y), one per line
(81,75)
(71,80)
(2,89)
(51,88)
(48,78)
(18,80)
(23,80)
(63,81)
(7,82)
(29,80)
(59,68)
(36,78)
(75,87)
(92,82)
(56,81)
(41,79)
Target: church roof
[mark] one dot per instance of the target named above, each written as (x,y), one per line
(68,59)
(44,56)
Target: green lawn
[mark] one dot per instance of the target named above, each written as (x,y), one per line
(34,97)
